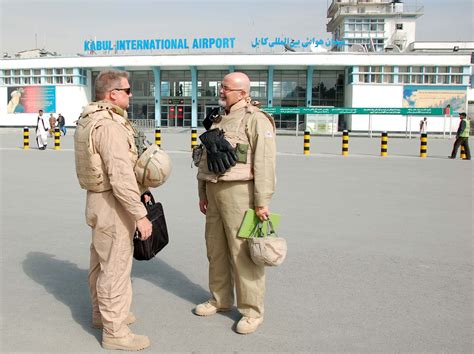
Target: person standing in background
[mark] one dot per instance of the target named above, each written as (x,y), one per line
(52,124)
(41,132)
(423,126)
(62,124)
(462,137)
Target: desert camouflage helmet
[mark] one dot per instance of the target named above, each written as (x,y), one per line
(153,167)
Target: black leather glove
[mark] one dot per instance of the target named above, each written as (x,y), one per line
(220,154)
(211,117)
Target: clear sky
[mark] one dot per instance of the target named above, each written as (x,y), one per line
(63,25)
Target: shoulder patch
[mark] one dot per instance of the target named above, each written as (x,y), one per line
(269,117)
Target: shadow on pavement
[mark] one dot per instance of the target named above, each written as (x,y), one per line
(168,278)
(66,282)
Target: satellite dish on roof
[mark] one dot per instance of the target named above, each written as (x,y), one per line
(357,48)
(288,48)
(317,48)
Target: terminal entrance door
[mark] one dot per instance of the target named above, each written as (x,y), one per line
(177,115)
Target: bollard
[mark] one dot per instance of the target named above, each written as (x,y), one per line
(423,144)
(158,137)
(193,138)
(57,139)
(463,152)
(345,143)
(384,142)
(307,141)
(26,138)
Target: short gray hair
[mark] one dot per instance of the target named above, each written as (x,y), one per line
(107,80)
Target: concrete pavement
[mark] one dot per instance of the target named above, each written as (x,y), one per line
(379,260)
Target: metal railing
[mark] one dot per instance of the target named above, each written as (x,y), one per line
(143,123)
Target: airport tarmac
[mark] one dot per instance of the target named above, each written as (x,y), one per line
(379,253)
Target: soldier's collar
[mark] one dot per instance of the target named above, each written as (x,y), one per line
(238,105)
(112,107)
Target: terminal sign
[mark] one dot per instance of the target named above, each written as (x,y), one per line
(119,45)
(349,110)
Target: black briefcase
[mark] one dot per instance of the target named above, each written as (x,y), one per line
(146,250)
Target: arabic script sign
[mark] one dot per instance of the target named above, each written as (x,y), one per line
(350,110)
(286,41)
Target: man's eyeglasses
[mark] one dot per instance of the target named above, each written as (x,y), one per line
(127,90)
(228,89)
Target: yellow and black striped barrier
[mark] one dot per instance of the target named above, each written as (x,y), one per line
(383,145)
(423,145)
(463,152)
(193,138)
(345,143)
(57,139)
(307,142)
(26,138)
(158,137)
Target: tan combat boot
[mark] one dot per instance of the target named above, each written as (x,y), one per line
(248,325)
(97,323)
(209,308)
(131,342)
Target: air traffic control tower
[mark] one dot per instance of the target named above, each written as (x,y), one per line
(373,25)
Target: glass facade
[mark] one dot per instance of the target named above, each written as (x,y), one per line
(289,87)
(289,90)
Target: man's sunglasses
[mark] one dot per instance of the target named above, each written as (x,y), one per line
(127,90)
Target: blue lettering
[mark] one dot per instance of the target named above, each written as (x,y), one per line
(163,44)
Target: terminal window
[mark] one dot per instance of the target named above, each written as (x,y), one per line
(60,76)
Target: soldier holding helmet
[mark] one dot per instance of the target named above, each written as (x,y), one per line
(106,155)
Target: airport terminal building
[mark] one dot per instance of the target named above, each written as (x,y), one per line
(371,75)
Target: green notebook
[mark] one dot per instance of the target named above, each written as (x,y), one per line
(250,222)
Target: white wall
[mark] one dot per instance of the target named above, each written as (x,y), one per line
(69,102)
(408,31)
(385,96)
